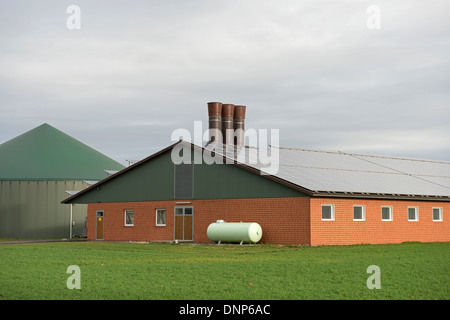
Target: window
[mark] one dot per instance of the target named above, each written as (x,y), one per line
(413,214)
(359,213)
(129,217)
(437,214)
(184,180)
(327,212)
(160,217)
(386,213)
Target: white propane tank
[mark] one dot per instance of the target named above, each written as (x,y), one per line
(222,231)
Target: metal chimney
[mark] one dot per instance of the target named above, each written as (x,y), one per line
(227,123)
(215,121)
(239,125)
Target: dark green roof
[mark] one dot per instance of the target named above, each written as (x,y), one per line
(45,153)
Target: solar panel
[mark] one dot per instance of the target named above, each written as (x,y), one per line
(332,171)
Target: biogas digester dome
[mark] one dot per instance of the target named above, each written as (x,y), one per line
(48,154)
(37,169)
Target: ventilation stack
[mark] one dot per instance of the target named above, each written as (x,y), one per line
(227,123)
(215,121)
(239,125)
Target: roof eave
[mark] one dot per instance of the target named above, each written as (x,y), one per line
(387,196)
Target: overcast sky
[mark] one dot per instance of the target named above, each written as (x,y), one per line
(137,70)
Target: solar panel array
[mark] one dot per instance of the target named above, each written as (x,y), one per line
(329,171)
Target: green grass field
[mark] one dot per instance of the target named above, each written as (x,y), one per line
(226,272)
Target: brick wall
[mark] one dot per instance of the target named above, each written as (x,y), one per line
(144,228)
(283,220)
(343,230)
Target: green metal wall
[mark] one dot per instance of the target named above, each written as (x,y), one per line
(33,209)
(150,181)
(154,180)
(226,181)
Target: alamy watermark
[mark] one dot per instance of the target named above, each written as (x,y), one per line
(259,152)
(374,281)
(73,281)
(374,20)
(73,21)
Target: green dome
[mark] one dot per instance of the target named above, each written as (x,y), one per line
(45,153)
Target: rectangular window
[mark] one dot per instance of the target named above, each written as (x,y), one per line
(184,180)
(413,214)
(160,217)
(129,217)
(386,213)
(437,214)
(359,213)
(327,212)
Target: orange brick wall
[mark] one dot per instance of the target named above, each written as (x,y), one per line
(283,220)
(144,228)
(343,230)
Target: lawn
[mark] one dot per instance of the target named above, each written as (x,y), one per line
(227,272)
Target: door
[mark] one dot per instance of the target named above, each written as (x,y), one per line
(100,224)
(184,222)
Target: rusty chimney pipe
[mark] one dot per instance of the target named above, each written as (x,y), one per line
(239,125)
(227,123)
(215,121)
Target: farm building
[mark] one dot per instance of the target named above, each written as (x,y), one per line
(314,198)
(38,169)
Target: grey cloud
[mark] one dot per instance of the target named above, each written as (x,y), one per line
(139,69)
